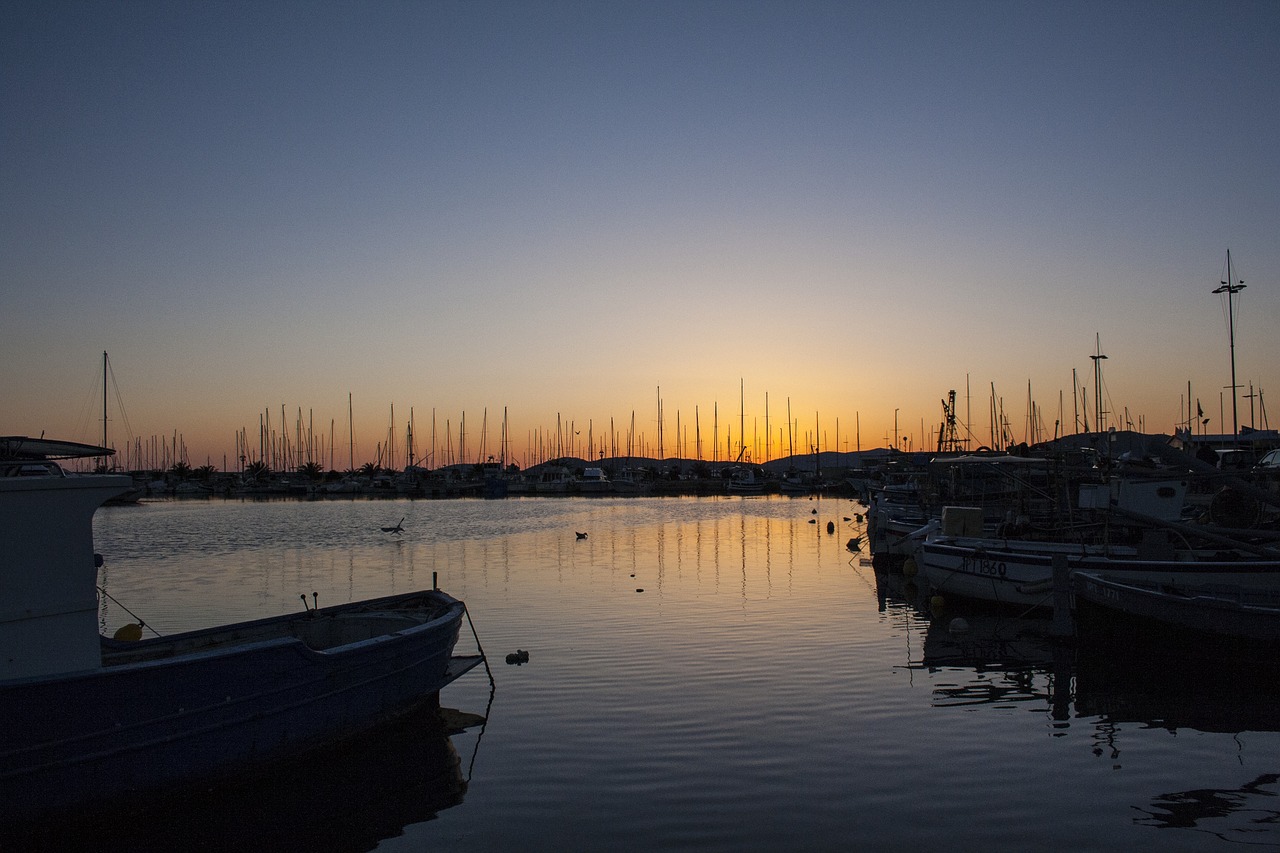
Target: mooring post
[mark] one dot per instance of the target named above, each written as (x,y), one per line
(435,581)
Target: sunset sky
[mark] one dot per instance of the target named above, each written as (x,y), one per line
(557,209)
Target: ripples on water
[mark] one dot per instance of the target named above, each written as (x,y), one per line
(767,689)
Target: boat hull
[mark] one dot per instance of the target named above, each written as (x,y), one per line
(1008,574)
(201,705)
(1244,613)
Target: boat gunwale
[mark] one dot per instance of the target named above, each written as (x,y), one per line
(136,652)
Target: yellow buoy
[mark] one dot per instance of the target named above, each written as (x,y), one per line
(937,604)
(129,633)
(909,567)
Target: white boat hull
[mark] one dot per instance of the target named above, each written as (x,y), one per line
(1014,573)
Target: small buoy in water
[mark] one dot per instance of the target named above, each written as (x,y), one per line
(958,626)
(831,527)
(639,589)
(129,633)
(813,521)
(854,544)
(909,567)
(937,604)
(814,511)
(633,574)
(846,518)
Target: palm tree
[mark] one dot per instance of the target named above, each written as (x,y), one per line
(256,471)
(312,471)
(204,473)
(369,469)
(181,470)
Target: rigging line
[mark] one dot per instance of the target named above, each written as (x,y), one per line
(124,419)
(89,409)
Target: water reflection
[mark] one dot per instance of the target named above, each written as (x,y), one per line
(994,658)
(1113,682)
(1247,815)
(339,799)
(1175,685)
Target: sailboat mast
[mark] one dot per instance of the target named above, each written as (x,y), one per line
(1098,358)
(767,440)
(104,400)
(102,465)
(1075,400)
(791,444)
(411,436)
(661,454)
(1230,287)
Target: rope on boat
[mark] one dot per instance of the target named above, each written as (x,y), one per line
(141,624)
(483,657)
(493,689)
(475,750)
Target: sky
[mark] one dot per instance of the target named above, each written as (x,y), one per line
(570,211)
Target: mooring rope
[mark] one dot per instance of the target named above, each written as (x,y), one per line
(137,619)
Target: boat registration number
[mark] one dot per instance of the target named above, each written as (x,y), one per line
(983,566)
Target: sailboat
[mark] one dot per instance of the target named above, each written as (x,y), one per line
(132,496)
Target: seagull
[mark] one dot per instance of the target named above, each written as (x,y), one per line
(397,530)
(580,535)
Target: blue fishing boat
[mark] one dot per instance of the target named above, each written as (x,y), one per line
(89,718)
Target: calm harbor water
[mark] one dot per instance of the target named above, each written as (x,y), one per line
(704,673)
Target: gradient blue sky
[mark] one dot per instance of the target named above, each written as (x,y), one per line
(559,207)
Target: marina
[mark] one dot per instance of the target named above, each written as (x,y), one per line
(718,672)
(665,426)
